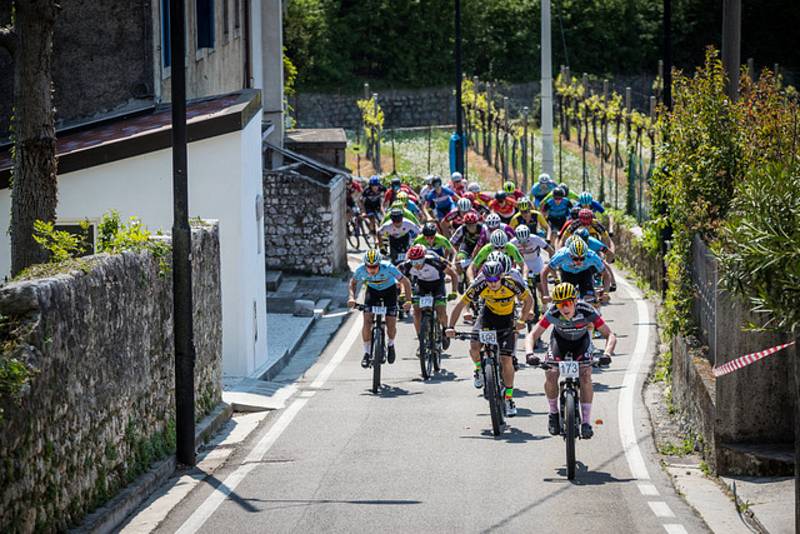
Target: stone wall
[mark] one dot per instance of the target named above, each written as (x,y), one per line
(631,252)
(304,223)
(99,407)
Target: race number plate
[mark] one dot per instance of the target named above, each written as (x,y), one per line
(401,257)
(568,369)
(426,302)
(379,310)
(488,337)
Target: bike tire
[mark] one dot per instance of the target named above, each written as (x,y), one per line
(377,360)
(424,332)
(493,388)
(571,433)
(352,235)
(437,347)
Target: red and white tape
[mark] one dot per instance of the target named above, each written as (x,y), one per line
(747,359)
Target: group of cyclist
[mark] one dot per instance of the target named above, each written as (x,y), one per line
(490,245)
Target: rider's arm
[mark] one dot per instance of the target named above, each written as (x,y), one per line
(353,289)
(449,271)
(456,313)
(527,304)
(611,339)
(543,282)
(533,336)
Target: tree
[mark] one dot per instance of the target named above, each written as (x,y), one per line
(29,40)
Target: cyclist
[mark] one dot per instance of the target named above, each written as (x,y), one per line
(455,218)
(477,206)
(400,232)
(440,199)
(381,278)
(372,198)
(572,196)
(396,186)
(585,200)
(503,205)
(570,318)
(435,241)
(481,199)
(491,224)
(498,291)
(354,190)
(457,183)
(465,239)
(578,266)
(542,188)
(530,246)
(511,190)
(602,250)
(426,188)
(497,241)
(407,203)
(427,271)
(528,216)
(398,205)
(586,219)
(555,210)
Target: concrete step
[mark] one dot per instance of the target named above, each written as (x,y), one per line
(756,459)
(274,279)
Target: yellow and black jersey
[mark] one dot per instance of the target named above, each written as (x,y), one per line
(499,301)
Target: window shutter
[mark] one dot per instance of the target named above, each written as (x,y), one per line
(205,23)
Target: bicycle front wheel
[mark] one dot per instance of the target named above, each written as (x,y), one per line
(352,234)
(377,359)
(424,346)
(493,391)
(571,432)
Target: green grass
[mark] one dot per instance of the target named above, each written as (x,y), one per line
(685,447)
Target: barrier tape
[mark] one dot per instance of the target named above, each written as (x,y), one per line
(747,359)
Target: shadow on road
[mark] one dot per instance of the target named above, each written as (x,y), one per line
(390,392)
(510,435)
(585,477)
(277,504)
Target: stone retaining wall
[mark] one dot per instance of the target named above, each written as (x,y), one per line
(631,251)
(99,407)
(305,225)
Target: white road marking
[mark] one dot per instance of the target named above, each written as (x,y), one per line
(661,509)
(675,529)
(627,430)
(228,486)
(648,490)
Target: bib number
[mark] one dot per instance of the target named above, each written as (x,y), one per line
(426,302)
(488,337)
(379,310)
(569,369)
(401,256)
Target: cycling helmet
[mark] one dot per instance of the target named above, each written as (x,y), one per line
(500,196)
(470,218)
(417,252)
(493,269)
(583,233)
(586,216)
(509,187)
(375,180)
(577,248)
(574,211)
(396,181)
(500,257)
(558,193)
(436,181)
(428,179)
(564,291)
(474,187)
(564,187)
(470,196)
(493,221)
(464,205)
(585,199)
(456,176)
(402,196)
(523,204)
(429,230)
(372,257)
(396,215)
(498,239)
(544,178)
(522,232)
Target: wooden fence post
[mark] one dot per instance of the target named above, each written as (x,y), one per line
(487,147)
(525,149)
(377,135)
(506,148)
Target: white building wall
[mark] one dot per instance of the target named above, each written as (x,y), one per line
(224,181)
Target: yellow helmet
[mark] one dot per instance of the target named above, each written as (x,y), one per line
(372,257)
(523,204)
(402,195)
(564,291)
(577,247)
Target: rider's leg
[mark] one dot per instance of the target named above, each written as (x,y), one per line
(391,328)
(441,313)
(551,388)
(507,365)
(366,331)
(586,393)
(417,318)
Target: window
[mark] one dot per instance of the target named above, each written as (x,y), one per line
(166,48)
(225,22)
(86,235)
(205,23)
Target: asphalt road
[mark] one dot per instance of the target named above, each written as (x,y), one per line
(420,457)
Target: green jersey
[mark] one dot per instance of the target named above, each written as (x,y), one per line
(511,251)
(406,215)
(441,245)
(573,196)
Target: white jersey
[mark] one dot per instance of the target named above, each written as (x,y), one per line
(405,228)
(531,252)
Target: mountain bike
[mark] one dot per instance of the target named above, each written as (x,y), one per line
(430,337)
(493,388)
(356,229)
(377,348)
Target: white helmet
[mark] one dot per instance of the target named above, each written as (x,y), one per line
(474,187)
(544,178)
(456,176)
(464,205)
(493,221)
(498,239)
(500,257)
(522,232)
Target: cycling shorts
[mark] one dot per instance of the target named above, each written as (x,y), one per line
(580,348)
(556,222)
(431,287)
(583,280)
(503,324)
(385,297)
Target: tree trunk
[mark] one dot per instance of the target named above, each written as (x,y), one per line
(797,433)
(34,187)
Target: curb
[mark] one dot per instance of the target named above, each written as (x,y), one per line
(277,366)
(111,515)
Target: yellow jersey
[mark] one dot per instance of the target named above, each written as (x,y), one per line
(499,301)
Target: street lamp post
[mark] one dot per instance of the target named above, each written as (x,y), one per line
(547,92)
(459,152)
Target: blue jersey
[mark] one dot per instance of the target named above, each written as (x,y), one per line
(385,278)
(595,206)
(412,207)
(562,260)
(443,201)
(596,245)
(540,190)
(557,211)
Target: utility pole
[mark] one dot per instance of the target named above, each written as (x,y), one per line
(459,120)
(181,247)
(547,92)
(668,54)
(731,44)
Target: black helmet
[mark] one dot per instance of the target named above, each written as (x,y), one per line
(564,187)
(558,193)
(437,181)
(429,229)
(573,212)
(500,196)
(396,181)
(396,214)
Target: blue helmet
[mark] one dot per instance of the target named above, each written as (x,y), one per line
(375,180)
(585,199)
(583,233)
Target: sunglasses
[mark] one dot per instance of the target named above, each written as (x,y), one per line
(491,279)
(417,263)
(577,259)
(564,303)
(373,267)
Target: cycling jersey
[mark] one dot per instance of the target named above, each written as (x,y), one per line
(535,219)
(562,260)
(556,210)
(510,250)
(406,215)
(456,217)
(498,301)
(354,189)
(505,209)
(595,206)
(372,198)
(406,227)
(385,278)
(485,233)
(572,196)
(596,245)
(575,328)
(441,200)
(459,187)
(391,194)
(464,239)
(432,269)
(540,190)
(596,229)
(441,245)
(530,251)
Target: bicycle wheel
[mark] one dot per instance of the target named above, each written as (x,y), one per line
(352,234)
(368,241)
(571,432)
(437,344)
(424,333)
(493,390)
(377,359)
